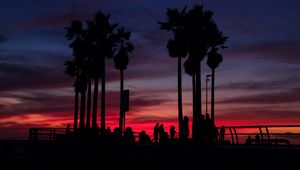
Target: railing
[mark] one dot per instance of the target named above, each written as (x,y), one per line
(270,134)
(48,134)
(53,134)
(263,134)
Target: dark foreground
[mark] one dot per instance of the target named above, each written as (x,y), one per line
(56,156)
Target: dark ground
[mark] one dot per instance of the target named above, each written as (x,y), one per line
(55,156)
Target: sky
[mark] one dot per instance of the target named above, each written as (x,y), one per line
(257,82)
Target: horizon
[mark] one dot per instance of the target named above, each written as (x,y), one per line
(257,82)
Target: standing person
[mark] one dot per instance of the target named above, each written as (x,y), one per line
(185,128)
(172,132)
(222,134)
(209,129)
(155,133)
(68,131)
(161,132)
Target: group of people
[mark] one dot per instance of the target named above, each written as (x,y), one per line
(159,133)
(161,136)
(206,132)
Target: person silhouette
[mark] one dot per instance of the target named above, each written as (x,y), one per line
(128,135)
(155,132)
(161,132)
(248,140)
(144,138)
(257,139)
(185,128)
(68,131)
(222,134)
(172,132)
(108,130)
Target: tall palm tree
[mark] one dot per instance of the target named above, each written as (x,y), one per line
(191,69)
(104,43)
(121,62)
(202,34)
(213,61)
(80,50)
(89,74)
(177,47)
(73,68)
(94,70)
(88,107)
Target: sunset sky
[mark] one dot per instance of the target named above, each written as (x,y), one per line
(257,82)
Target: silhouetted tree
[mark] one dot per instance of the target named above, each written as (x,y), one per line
(213,61)
(121,62)
(77,67)
(177,47)
(89,73)
(72,70)
(104,41)
(202,34)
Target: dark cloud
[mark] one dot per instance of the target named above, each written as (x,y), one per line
(268,114)
(22,77)
(36,102)
(153,119)
(282,51)
(261,85)
(284,96)
(140,103)
(138,100)
(49,102)
(54,21)
(2,38)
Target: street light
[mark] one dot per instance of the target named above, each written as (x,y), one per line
(207,80)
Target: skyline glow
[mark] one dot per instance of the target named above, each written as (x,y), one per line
(257,83)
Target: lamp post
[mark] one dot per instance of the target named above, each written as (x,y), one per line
(207,80)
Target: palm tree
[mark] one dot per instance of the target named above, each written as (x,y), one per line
(72,70)
(88,107)
(104,42)
(191,69)
(80,51)
(177,47)
(121,62)
(90,72)
(74,67)
(95,70)
(213,61)
(202,34)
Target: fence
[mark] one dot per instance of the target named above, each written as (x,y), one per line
(48,134)
(270,134)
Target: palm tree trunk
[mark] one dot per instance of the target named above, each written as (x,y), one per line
(180,115)
(194,129)
(88,112)
(103,96)
(198,105)
(121,103)
(76,111)
(95,104)
(213,96)
(82,110)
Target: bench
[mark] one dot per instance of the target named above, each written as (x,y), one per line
(267,141)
